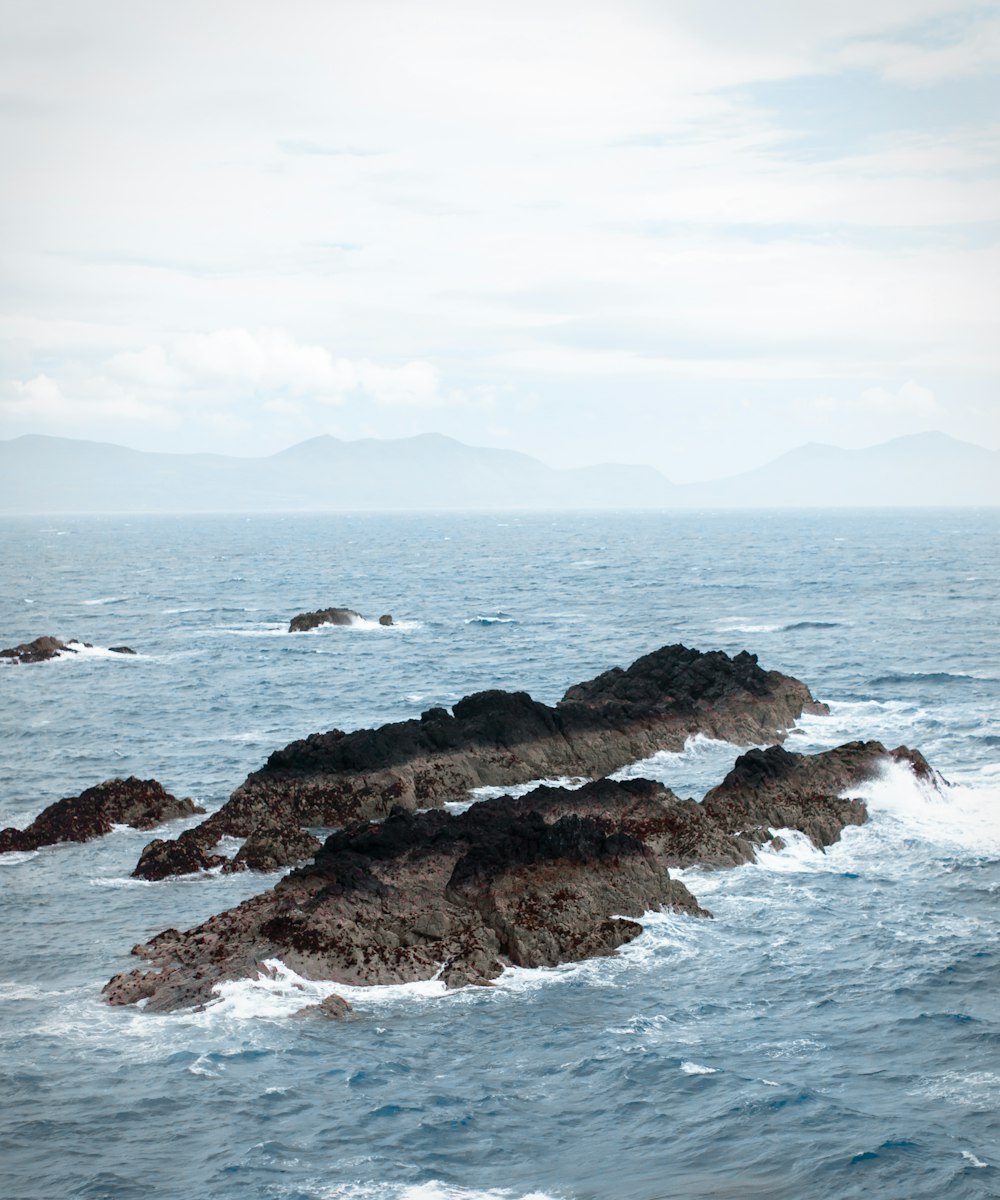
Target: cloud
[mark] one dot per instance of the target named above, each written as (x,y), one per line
(41,401)
(910,400)
(234,364)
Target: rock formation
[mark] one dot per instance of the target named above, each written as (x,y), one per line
(324,616)
(44,648)
(497,738)
(541,879)
(141,803)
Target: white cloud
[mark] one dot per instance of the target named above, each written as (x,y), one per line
(911,399)
(41,401)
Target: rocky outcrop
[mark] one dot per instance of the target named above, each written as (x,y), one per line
(776,788)
(141,803)
(421,895)
(40,650)
(44,648)
(385,619)
(497,738)
(323,616)
(549,877)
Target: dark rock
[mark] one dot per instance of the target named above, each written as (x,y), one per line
(324,616)
(183,855)
(536,880)
(121,650)
(141,803)
(776,788)
(385,619)
(500,738)
(40,650)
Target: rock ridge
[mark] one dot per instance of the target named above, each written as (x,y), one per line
(497,738)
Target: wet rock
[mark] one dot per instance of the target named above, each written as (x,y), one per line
(385,619)
(141,803)
(334,1008)
(323,616)
(778,789)
(40,650)
(121,650)
(500,738)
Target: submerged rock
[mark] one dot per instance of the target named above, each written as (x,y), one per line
(141,803)
(323,616)
(549,877)
(497,738)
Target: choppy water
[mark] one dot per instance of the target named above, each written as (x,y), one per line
(834,1032)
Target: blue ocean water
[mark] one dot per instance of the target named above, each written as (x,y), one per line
(834,1032)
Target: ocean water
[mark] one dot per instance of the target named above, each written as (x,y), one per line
(834,1032)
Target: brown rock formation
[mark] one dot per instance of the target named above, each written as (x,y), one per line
(141,803)
(502,738)
(536,880)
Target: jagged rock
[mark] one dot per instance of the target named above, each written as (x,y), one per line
(776,788)
(421,894)
(385,619)
(535,880)
(324,616)
(121,650)
(500,738)
(141,803)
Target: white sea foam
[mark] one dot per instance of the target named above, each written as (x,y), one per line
(798,855)
(434,1190)
(571,782)
(973,1160)
(280,992)
(951,815)
(693,1068)
(106,600)
(744,625)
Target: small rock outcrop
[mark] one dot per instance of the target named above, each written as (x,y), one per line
(497,738)
(385,619)
(141,803)
(42,649)
(333,1008)
(324,616)
(549,877)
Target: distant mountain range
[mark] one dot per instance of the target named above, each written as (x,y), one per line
(40,474)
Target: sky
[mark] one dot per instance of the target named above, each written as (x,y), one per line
(689,233)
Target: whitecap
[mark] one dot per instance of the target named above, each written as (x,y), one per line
(971,1158)
(693,1068)
(106,600)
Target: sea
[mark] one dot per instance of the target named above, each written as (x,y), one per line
(833,1032)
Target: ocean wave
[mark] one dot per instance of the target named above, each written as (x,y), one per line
(433,1190)
(106,600)
(497,618)
(905,677)
(811,625)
